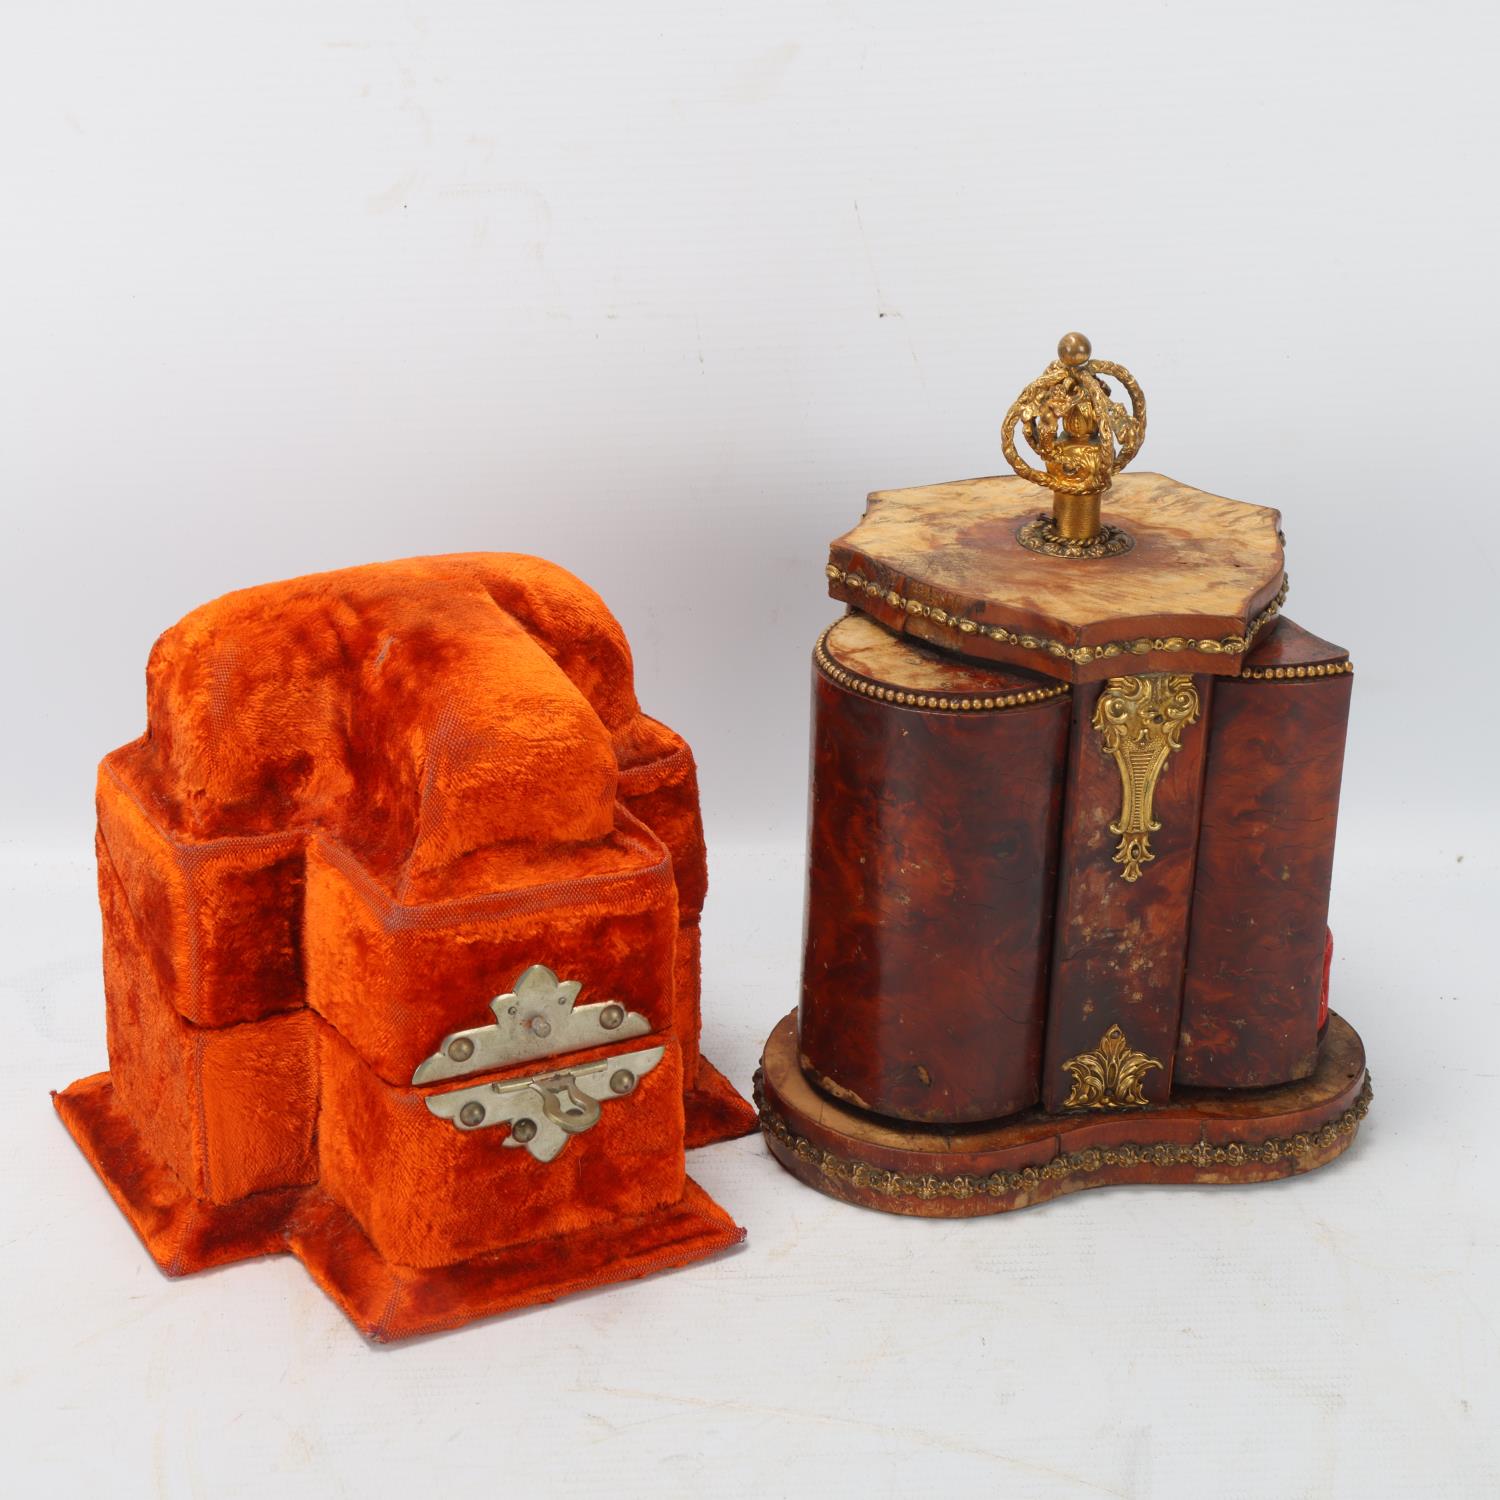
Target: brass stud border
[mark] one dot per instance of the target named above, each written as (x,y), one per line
(943,703)
(927,1185)
(1287,674)
(1229,645)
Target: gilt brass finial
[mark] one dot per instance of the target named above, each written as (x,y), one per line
(1074,349)
(1084,438)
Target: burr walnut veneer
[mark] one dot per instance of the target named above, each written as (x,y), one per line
(912,852)
(1075,784)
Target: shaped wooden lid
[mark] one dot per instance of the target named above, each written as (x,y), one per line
(1167,579)
(864,658)
(943,563)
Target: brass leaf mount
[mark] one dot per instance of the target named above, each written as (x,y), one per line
(1140,722)
(1110,1076)
(1070,420)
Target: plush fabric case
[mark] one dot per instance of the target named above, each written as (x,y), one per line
(365,803)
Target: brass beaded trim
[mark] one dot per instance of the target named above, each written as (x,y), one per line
(1229,645)
(909,699)
(1286,674)
(928,1185)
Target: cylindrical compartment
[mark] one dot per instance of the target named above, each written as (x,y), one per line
(936,798)
(1252,992)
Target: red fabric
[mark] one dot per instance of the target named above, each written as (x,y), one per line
(384,1300)
(364,802)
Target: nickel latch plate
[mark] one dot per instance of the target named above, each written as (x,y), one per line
(545,1110)
(537,1019)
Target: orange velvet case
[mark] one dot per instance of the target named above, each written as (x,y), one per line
(365,802)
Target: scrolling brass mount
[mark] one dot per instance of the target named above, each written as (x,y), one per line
(1084,437)
(1110,1076)
(1140,722)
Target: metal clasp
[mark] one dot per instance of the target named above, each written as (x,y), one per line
(565,1106)
(537,1019)
(545,1110)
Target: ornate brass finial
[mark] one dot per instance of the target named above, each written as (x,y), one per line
(1084,437)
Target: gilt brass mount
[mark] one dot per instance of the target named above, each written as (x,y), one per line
(1140,722)
(1084,437)
(1042,535)
(1110,1076)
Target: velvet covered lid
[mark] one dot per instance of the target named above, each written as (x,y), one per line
(427,711)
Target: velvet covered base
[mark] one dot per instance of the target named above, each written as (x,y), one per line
(383,1300)
(715,1112)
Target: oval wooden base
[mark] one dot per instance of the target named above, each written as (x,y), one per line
(1203,1135)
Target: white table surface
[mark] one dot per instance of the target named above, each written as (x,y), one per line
(1334,1335)
(661,291)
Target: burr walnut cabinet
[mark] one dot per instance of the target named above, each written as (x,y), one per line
(1075,781)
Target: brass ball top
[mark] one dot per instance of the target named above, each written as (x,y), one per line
(1074,349)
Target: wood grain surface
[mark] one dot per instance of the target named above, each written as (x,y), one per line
(1265,863)
(1202,1136)
(1120,945)
(930,879)
(859,644)
(1202,568)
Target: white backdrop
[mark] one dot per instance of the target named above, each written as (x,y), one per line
(660,291)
